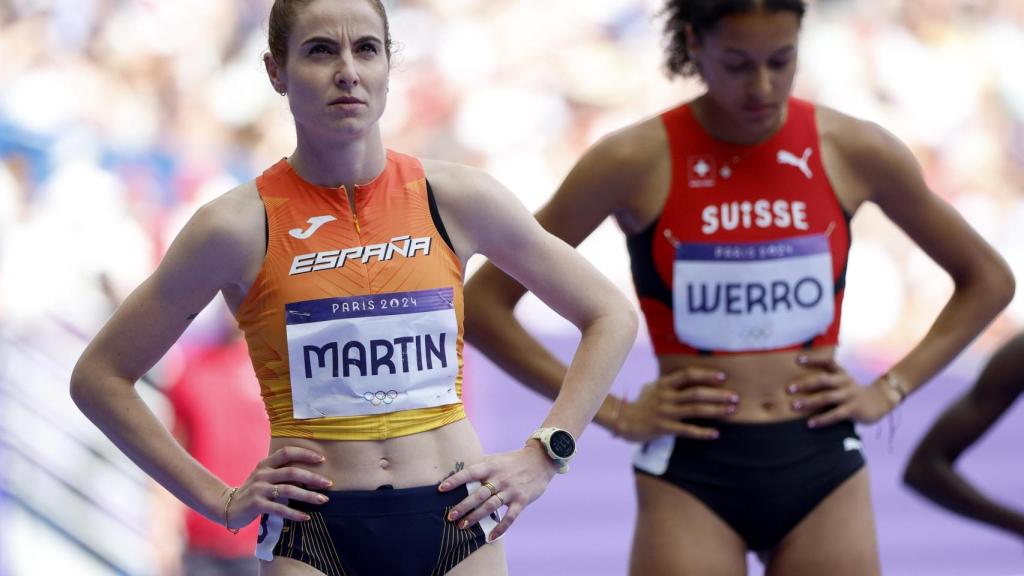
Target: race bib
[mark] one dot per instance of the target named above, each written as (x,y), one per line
(372,354)
(757,296)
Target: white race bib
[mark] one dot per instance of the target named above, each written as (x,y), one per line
(372,354)
(756,296)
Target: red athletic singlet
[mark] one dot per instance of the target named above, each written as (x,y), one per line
(749,253)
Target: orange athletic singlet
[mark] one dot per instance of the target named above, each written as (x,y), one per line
(354,323)
(750,250)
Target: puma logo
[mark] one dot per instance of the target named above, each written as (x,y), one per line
(787,157)
(314,224)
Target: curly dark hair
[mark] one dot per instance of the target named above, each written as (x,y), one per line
(282,20)
(702,15)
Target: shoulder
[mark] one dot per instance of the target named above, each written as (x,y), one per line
(631,150)
(231,217)
(861,142)
(879,160)
(458,187)
(225,236)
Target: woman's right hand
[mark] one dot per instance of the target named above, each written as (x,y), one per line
(691,392)
(275,480)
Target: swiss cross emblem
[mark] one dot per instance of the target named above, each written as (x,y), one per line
(701,171)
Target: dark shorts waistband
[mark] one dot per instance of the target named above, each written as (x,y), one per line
(384,502)
(757,444)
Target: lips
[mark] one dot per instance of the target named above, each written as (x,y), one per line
(346,101)
(759,109)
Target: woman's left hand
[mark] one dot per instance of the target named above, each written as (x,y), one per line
(512,479)
(830,386)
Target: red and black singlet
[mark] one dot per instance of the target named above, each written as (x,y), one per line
(750,251)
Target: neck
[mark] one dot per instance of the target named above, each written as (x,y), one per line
(722,126)
(340,163)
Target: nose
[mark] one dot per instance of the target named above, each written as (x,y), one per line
(345,75)
(762,82)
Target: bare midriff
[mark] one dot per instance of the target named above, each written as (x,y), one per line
(760,380)
(419,459)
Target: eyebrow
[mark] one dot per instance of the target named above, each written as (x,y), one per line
(334,42)
(779,52)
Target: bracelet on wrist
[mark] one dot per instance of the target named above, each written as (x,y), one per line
(896,385)
(227,510)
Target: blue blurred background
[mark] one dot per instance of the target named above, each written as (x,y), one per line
(118,118)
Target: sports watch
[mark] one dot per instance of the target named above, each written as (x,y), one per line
(559,444)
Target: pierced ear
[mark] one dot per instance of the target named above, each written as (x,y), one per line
(274,74)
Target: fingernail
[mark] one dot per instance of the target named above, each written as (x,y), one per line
(812,424)
(720,376)
(798,405)
(463,524)
(321,459)
(791,389)
(444,486)
(801,359)
(714,435)
(323,499)
(453,516)
(730,409)
(329,483)
(734,398)
(306,517)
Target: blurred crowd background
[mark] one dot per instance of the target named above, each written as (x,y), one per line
(118,118)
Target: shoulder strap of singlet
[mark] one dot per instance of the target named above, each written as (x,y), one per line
(435,215)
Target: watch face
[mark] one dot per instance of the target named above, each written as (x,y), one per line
(562,444)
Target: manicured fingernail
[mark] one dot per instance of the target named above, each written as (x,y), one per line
(720,376)
(791,389)
(463,524)
(444,486)
(734,398)
(798,405)
(453,516)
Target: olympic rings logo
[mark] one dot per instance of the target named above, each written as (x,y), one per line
(756,333)
(380,397)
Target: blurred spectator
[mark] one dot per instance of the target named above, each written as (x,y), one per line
(220,419)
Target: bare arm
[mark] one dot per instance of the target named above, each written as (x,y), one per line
(983,283)
(486,218)
(483,217)
(931,470)
(625,175)
(212,253)
(590,193)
